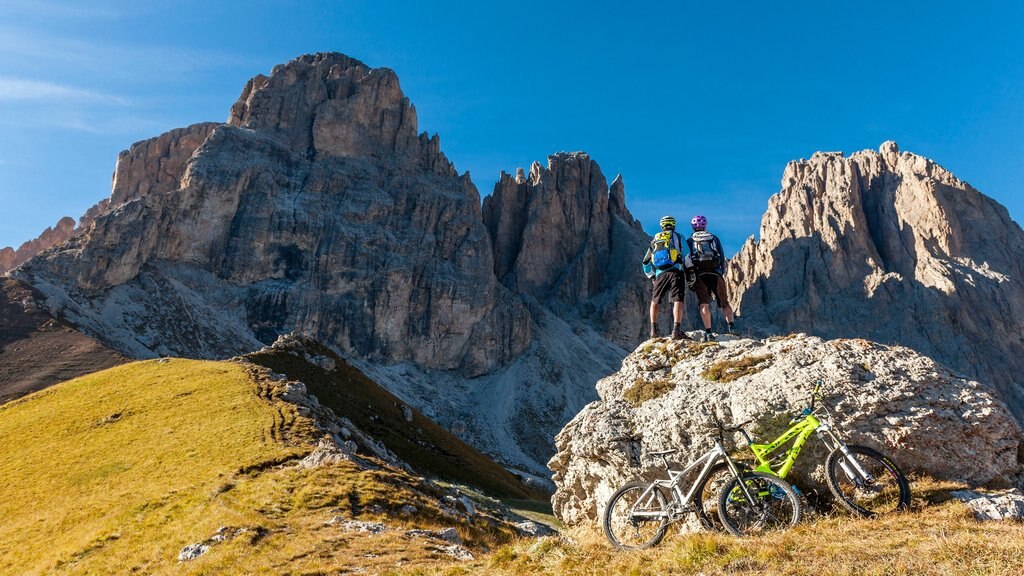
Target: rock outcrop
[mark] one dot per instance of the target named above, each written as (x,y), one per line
(1001,505)
(562,237)
(925,417)
(891,247)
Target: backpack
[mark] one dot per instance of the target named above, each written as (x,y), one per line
(664,251)
(705,253)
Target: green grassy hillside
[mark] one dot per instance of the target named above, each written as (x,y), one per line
(117,471)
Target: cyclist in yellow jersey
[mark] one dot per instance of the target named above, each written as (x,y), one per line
(663,264)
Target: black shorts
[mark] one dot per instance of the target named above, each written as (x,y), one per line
(670,281)
(709,283)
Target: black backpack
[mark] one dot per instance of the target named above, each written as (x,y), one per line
(705,253)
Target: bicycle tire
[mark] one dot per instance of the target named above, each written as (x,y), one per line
(776,507)
(893,495)
(616,519)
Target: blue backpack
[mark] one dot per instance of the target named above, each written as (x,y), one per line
(664,251)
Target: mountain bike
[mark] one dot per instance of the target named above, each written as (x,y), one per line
(639,513)
(863,480)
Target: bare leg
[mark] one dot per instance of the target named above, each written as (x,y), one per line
(654,312)
(728,314)
(677,312)
(705,315)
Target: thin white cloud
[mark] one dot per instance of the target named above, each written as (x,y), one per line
(25,90)
(28,49)
(63,10)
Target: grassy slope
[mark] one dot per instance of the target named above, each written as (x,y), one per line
(938,537)
(426,446)
(116,472)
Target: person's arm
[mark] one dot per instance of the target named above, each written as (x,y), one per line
(721,263)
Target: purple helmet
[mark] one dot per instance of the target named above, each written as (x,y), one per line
(699,222)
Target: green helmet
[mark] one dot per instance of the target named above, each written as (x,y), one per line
(668,222)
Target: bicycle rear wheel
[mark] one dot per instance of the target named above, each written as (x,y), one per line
(636,517)
(775,505)
(885,489)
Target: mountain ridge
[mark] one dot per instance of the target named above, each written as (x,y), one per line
(318,207)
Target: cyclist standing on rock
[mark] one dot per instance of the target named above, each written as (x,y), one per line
(709,266)
(663,263)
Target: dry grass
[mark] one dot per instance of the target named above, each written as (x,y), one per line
(734,369)
(937,538)
(115,472)
(643,390)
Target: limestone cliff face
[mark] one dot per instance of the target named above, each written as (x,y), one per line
(156,166)
(317,207)
(564,238)
(892,247)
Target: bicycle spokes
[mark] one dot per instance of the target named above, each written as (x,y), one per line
(636,517)
(767,503)
(866,481)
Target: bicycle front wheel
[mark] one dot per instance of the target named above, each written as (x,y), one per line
(772,504)
(636,517)
(705,498)
(875,485)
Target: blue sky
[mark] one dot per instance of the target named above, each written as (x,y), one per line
(698,106)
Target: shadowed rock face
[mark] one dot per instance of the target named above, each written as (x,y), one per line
(317,207)
(892,247)
(564,238)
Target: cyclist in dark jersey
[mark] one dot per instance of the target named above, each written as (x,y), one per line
(709,265)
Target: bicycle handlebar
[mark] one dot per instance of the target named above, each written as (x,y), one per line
(816,393)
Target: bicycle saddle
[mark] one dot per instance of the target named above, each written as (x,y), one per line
(662,453)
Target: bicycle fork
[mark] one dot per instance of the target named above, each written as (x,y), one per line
(851,467)
(739,477)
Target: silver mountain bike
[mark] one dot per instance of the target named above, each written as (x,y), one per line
(639,513)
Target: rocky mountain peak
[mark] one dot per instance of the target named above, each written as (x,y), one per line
(329,103)
(316,207)
(890,246)
(563,237)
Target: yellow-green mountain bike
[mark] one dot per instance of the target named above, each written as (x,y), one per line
(863,480)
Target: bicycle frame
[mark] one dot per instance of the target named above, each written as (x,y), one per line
(801,431)
(675,478)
